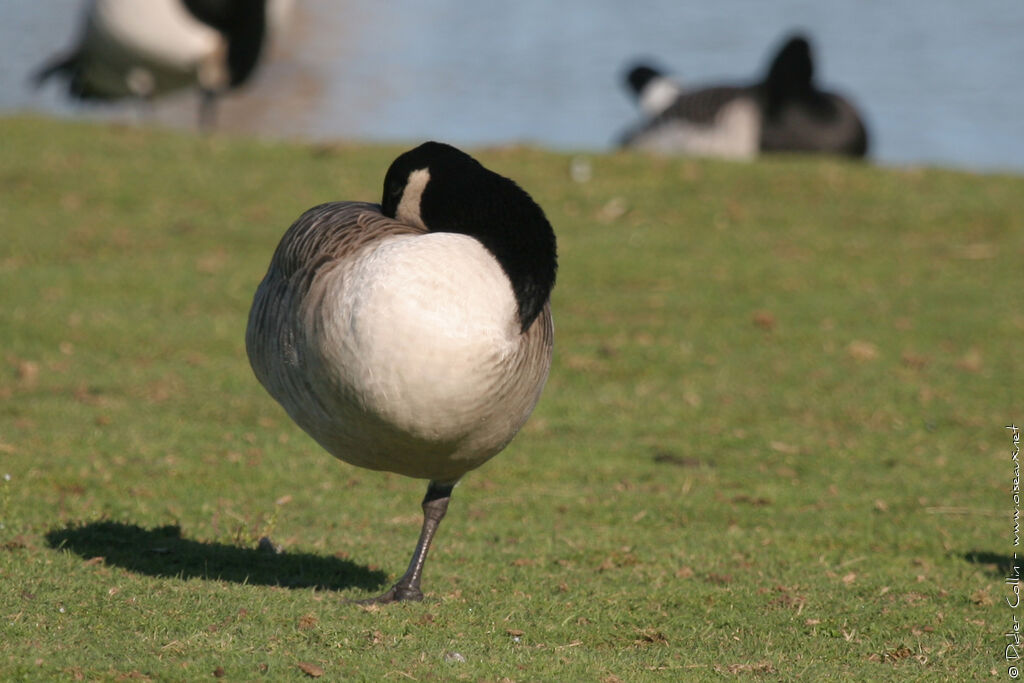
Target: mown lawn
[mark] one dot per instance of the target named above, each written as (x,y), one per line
(773,443)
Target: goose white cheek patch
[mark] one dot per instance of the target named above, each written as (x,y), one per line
(409,208)
(659,95)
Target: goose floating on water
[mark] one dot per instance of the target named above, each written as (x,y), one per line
(145,48)
(784,112)
(414,336)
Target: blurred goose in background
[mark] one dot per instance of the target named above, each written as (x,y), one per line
(146,48)
(785,112)
(654,91)
(414,336)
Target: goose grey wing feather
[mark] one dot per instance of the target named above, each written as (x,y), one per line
(702,106)
(699,106)
(329,232)
(320,237)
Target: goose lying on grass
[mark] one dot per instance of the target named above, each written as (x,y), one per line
(415,336)
(784,112)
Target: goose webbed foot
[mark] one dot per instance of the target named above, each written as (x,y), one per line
(435,504)
(397,593)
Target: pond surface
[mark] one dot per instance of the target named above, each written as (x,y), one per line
(940,82)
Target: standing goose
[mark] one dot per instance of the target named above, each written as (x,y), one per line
(414,336)
(145,48)
(784,112)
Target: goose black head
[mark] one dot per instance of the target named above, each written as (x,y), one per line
(639,76)
(443,189)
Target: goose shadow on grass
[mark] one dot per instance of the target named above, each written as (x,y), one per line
(163,552)
(995,564)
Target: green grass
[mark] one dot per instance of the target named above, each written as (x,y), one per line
(772,445)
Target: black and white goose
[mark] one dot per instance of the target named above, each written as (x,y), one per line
(413,336)
(145,48)
(784,112)
(654,91)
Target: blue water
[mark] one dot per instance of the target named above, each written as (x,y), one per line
(941,82)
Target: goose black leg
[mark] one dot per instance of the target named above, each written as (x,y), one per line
(207,111)
(435,504)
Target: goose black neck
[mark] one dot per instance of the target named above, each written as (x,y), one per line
(792,69)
